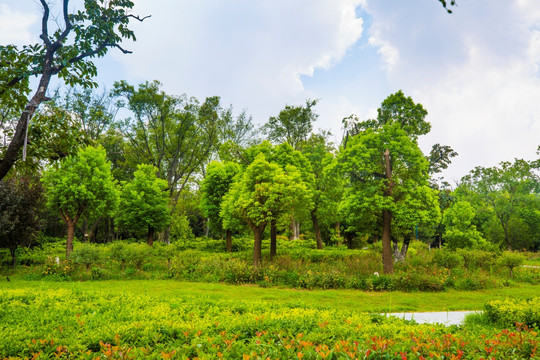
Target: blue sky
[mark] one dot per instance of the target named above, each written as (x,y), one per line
(475,71)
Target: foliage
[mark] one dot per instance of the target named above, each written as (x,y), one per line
(216,184)
(80,184)
(293,125)
(78,323)
(20,202)
(460,231)
(144,202)
(511,260)
(86,254)
(511,311)
(66,51)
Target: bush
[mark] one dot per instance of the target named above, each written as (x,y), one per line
(511,260)
(509,312)
(477,259)
(86,254)
(447,259)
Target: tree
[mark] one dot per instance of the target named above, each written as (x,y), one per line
(389,173)
(216,184)
(293,124)
(505,189)
(263,193)
(328,184)
(20,205)
(144,202)
(460,231)
(81,184)
(175,134)
(66,52)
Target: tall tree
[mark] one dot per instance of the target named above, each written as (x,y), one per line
(293,124)
(144,202)
(263,193)
(216,184)
(80,184)
(66,51)
(389,173)
(327,185)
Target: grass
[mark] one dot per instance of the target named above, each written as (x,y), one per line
(350,300)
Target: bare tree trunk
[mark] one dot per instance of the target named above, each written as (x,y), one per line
(207,230)
(13,252)
(70,237)
(399,256)
(388,264)
(257,245)
(317,229)
(167,235)
(273,239)
(228,240)
(150,240)
(92,231)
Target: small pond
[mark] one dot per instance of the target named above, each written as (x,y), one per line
(446,317)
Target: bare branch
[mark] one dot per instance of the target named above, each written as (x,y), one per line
(44,23)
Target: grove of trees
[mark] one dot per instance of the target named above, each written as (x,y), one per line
(173,166)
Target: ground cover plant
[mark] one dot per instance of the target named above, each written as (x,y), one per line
(296,265)
(105,320)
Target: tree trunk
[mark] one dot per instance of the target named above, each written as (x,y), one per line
(228,240)
(92,230)
(388,264)
(167,235)
(13,252)
(257,245)
(150,240)
(317,230)
(399,256)
(17,142)
(207,225)
(70,236)
(273,239)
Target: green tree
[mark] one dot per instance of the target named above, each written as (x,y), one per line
(460,231)
(263,193)
(80,184)
(66,51)
(389,173)
(175,134)
(293,124)
(21,200)
(505,190)
(216,184)
(327,183)
(144,202)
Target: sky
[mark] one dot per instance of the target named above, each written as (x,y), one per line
(476,71)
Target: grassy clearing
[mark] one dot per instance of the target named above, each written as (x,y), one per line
(179,320)
(350,300)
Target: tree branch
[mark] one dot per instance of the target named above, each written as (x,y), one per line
(44,23)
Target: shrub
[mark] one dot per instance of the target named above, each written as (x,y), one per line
(511,311)
(86,254)
(511,260)
(447,259)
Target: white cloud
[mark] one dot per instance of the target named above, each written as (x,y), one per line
(15,26)
(475,71)
(252,53)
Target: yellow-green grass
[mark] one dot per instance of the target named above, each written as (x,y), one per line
(352,300)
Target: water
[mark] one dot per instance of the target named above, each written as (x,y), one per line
(446,317)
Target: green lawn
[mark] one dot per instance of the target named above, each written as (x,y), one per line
(351,300)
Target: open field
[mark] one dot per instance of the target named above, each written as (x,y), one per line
(350,300)
(168,319)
